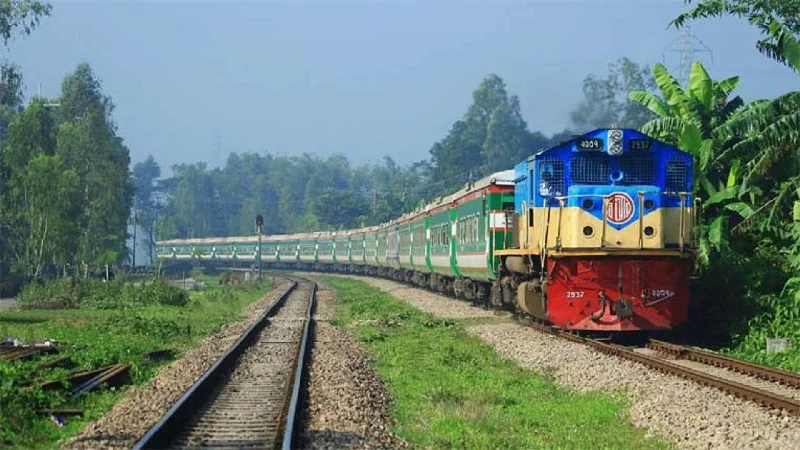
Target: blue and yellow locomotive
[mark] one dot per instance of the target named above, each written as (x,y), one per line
(604,234)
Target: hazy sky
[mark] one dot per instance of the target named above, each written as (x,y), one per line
(193,81)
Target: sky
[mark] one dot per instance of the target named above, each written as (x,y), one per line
(195,80)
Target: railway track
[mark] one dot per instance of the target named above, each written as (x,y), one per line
(769,387)
(249,397)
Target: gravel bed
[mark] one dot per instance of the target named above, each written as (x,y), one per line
(144,405)
(687,413)
(346,401)
(435,304)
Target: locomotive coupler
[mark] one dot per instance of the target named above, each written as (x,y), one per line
(622,308)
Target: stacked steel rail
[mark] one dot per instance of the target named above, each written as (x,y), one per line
(249,397)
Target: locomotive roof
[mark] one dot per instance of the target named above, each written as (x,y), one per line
(601,134)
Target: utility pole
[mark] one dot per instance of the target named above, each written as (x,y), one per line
(259,224)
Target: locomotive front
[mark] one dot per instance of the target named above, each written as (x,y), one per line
(605,234)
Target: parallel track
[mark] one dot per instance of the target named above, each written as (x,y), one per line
(769,387)
(249,397)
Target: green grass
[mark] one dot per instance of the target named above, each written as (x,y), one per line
(451,390)
(101,337)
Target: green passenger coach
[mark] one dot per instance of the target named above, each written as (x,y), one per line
(446,245)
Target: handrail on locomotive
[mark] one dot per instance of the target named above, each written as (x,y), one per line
(685,208)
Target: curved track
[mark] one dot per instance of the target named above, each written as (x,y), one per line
(248,398)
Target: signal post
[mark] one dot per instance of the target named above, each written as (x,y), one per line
(259,225)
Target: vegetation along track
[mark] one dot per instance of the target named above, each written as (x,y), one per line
(248,398)
(764,385)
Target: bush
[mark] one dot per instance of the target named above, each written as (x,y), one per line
(69,293)
(58,294)
(733,291)
(157,292)
(17,404)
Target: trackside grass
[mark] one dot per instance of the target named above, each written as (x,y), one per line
(99,337)
(451,390)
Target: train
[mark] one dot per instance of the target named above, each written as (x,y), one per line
(595,234)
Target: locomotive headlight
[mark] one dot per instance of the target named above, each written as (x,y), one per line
(615,142)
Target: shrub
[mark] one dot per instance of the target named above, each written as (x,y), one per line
(17,404)
(61,293)
(96,294)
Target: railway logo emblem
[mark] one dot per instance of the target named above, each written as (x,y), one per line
(620,208)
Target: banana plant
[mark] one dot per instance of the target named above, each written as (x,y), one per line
(688,118)
(727,201)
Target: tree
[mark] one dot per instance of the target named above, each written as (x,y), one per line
(21,16)
(48,190)
(88,144)
(193,203)
(491,136)
(339,208)
(10,95)
(145,206)
(761,13)
(10,85)
(606,99)
(456,157)
(30,134)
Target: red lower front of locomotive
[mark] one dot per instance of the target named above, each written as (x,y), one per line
(618,294)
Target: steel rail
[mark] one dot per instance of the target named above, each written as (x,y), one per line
(738,389)
(159,434)
(716,359)
(298,374)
